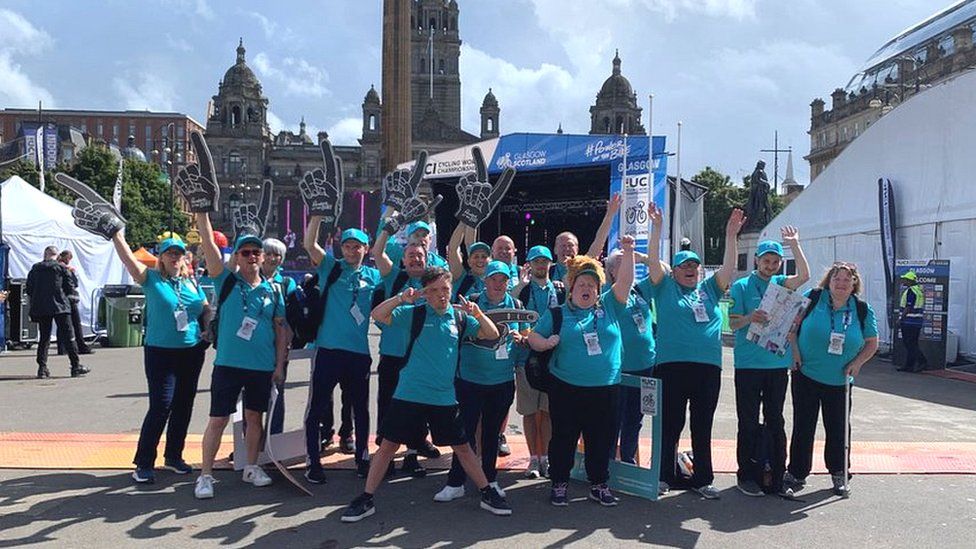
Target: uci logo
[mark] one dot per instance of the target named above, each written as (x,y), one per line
(639,182)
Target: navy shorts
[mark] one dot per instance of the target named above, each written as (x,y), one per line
(407,422)
(226,384)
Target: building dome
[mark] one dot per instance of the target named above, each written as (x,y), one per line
(372,96)
(240,74)
(617,84)
(490,100)
(131,152)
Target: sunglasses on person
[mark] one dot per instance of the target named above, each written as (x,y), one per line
(249,253)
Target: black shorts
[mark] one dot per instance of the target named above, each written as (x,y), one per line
(226,384)
(407,422)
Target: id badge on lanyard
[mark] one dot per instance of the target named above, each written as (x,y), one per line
(640,322)
(246,331)
(182,319)
(836,345)
(501,353)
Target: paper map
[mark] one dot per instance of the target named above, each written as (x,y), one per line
(783,307)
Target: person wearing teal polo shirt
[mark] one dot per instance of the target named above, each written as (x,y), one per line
(638,359)
(503,249)
(417,233)
(343,350)
(689,350)
(252,347)
(274,254)
(838,335)
(173,351)
(425,395)
(468,280)
(585,367)
(398,276)
(486,383)
(761,376)
(537,293)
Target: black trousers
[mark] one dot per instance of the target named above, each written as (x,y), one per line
(172,376)
(65,334)
(388,371)
(587,411)
(488,404)
(810,398)
(687,385)
(765,388)
(351,372)
(909,336)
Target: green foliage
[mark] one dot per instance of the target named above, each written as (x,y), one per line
(721,198)
(145,190)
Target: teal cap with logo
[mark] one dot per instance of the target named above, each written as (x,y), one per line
(355,234)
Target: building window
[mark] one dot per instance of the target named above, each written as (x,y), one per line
(132,130)
(235,116)
(234,162)
(115,130)
(490,125)
(372,123)
(84,127)
(100,129)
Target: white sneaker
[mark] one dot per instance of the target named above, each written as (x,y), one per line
(204,488)
(256,476)
(533,469)
(498,488)
(544,467)
(449,493)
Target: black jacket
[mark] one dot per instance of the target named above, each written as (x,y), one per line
(48,286)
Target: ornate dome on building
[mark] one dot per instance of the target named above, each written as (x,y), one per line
(616,109)
(239,74)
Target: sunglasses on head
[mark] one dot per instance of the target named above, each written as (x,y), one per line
(845,265)
(249,253)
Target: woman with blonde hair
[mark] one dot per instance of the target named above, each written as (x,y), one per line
(174,350)
(585,370)
(836,337)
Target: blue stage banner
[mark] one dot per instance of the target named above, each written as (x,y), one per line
(638,183)
(531,151)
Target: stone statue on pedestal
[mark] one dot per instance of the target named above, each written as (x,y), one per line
(758,211)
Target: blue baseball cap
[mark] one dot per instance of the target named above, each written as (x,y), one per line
(536,252)
(497,267)
(247,239)
(769,246)
(417,226)
(479,246)
(355,234)
(171,243)
(684,256)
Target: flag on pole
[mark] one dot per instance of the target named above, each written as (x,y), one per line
(39,151)
(117,192)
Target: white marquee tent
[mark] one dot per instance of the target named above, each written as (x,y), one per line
(33,220)
(927,148)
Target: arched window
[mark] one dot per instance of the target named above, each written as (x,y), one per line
(422,67)
(606,124)
(619,126)
(491,124)
(453,23)
(235,116)
(433,23)
(234,163)
(372,123)
(442,66)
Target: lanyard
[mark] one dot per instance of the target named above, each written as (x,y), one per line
(700,299)
(581,322)
(176,283)
(245,294)
(847,318)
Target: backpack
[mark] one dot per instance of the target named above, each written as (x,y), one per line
(467,282)
(861,306)
(305,307)
(537,364)
(419,316)
(379,295)
(526,293)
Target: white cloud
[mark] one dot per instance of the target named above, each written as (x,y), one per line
(346,131)
(145,91)
(197,7)
(20,38)
(735,9)
(178,43)
(296,75)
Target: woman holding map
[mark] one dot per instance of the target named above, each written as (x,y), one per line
(760,373)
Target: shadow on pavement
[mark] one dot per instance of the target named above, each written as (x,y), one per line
(881,376)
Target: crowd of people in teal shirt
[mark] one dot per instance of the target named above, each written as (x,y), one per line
(449,374)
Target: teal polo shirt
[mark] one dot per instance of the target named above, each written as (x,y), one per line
(679,337)
(483,366)
(339,329)
(428,376)
(636,330)
(747,294)
(263,304)
(541,298)
(288,285)
(559,272)
(395,252)
(814,338)
(163,297)
(393,342)
(571,362)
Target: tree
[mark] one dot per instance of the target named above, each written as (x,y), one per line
(721,198)
(145,190)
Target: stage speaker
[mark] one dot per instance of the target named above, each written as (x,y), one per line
(20,329)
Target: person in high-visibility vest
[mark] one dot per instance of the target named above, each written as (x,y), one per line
(910,320)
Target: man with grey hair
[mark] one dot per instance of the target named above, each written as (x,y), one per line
(48,287)
(274,255)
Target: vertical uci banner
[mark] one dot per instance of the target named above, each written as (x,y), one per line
(640,179)
(886,211)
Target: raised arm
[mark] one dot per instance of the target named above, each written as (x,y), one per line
(654,269)
(486,328)
(600,240)
(136,269)
(383,313)
(524,279)
(211,253)
(454,259)
(311,241)
(625,271)
(791,237)
(732,227)
(378,252)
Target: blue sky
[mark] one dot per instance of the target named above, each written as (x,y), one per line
(733,71)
